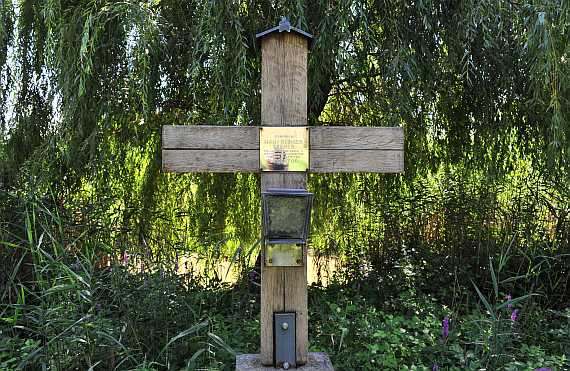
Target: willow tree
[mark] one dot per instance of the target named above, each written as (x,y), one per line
(87,85)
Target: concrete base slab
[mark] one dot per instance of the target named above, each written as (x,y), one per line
(252,362)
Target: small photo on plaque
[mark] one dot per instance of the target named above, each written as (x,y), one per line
(284,149)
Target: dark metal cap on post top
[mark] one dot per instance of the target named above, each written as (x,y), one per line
(284,25)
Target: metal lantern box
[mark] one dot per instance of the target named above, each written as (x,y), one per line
(286,219)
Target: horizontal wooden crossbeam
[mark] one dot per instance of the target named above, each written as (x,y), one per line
(233,149)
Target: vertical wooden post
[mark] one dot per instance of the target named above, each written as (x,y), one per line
(284,103)
(236,148)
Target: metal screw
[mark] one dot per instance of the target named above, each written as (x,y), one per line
(299,261)
(285,326)
(286,365)
(270,261)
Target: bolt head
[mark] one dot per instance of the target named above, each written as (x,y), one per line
(286,366)
(285,326)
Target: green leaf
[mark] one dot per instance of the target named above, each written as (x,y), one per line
(505,257)
(185,332)
(485,302)
(196,355)
(236,253)
(516,300)
(456,348)
(112,339)
(254,246)
(494,278)
(514,278)
(485,336)
(222,343)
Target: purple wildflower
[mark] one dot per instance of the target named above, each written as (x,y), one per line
(357,290)
(111,270)
(235,314)
(142,266)
(544,369)
(445,331)
(145,285)
(514,315)
(147,251)
(435,367)
(126,259)
(77,263)
(509,299)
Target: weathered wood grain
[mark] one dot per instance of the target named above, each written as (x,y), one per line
(356,137)
(212,161)
(247,161)
(284,103)
(356,161)
(247,137)
(236,149)
(296,300)
(210,137)
(283,289)
(284,80)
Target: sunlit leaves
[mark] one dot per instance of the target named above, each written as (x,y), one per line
(478,85)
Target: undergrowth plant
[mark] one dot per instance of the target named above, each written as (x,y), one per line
(86,305)
(90,294)
(498,327)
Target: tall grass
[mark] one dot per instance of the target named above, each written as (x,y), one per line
(82,290)
(469,220)
(78,299)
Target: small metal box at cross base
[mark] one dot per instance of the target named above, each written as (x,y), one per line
(284,344)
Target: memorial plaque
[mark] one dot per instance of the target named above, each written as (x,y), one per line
(284,149)
(283,255)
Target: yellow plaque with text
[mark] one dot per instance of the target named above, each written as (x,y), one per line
(284,149)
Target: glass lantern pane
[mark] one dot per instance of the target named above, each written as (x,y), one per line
(286,216)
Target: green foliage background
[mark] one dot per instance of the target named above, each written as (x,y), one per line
(481,88)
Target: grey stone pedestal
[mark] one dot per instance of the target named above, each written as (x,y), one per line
(252,362)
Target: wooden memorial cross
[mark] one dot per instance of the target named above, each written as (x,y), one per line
(227,149)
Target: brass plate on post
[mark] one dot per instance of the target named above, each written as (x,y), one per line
(284,149)
(283,255)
